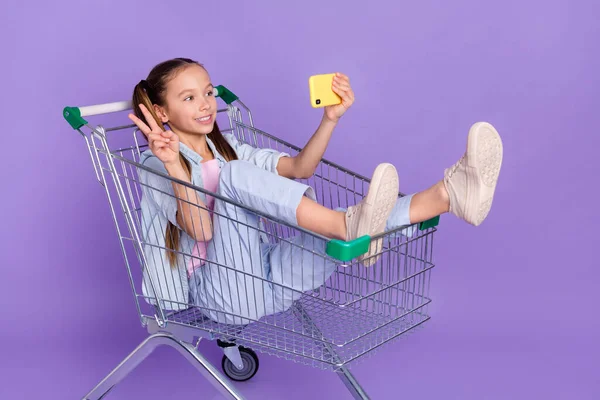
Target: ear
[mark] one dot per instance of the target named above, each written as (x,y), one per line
(161,113)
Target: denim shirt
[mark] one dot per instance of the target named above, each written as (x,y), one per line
(159,206)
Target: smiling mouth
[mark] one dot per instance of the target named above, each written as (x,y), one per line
(205,120)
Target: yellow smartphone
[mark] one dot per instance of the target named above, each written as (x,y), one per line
(321,94)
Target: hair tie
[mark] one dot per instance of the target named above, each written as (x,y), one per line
(144,85)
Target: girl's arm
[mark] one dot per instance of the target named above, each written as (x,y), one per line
(192,214)
(305,163)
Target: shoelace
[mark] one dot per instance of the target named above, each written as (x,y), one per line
(455,167)
(352,210)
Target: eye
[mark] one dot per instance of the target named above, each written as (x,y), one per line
(188,98)
(210,93)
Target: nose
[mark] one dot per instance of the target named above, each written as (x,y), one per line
(204,104)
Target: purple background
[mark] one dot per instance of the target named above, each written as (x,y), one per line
(515,311)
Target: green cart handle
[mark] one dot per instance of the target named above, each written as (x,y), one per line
(73,117)
(346,251)
(225,94)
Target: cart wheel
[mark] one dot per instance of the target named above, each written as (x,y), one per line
(250,360)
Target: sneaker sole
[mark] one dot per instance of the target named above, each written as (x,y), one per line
(382,195)
(485,152)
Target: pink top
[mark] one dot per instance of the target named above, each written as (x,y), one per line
(210,176)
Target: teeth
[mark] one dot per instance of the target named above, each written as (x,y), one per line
(204,119)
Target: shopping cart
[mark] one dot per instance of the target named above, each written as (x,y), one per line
(355,311)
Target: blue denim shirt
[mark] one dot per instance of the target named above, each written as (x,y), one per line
(159,206)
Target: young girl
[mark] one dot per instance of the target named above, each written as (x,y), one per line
(179,93)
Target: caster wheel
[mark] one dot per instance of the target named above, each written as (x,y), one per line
(250,360)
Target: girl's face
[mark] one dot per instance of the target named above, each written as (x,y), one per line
(190,104)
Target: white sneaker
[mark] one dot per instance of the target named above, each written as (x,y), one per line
(471,182)
(369,217)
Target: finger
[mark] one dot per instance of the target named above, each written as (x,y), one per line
(157,137)
(159,145)
(150,119)
(342,76)
(154,126)
(172,137)
(168,134)
(140,124)
(346,99)
(343,95)
(348,89)
(342,86)
(347,95)
(350,94)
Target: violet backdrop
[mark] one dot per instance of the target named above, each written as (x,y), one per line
(514,301)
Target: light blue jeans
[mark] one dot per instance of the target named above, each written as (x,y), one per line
(267,277)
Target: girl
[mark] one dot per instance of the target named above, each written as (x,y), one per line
(179,93)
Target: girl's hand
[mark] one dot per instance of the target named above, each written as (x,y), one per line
(163,144)
(341,87)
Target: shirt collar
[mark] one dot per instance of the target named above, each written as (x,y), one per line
(195,157)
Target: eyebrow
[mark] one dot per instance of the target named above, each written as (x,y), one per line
(189,90)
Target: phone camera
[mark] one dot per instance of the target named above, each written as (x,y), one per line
(318,101)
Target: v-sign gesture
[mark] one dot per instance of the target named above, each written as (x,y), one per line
(163,144)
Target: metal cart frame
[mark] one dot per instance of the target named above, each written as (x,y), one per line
(356,311)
